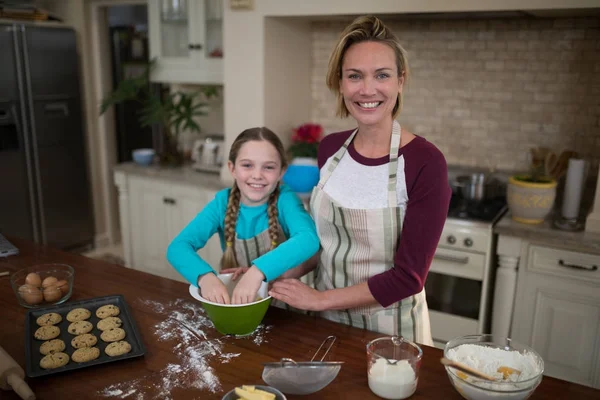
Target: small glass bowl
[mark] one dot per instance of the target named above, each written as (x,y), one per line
(393,365)
(472,388)
(30,292)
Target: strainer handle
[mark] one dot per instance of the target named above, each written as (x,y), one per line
(328,338)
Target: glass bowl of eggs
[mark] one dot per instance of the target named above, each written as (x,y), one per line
(43,284)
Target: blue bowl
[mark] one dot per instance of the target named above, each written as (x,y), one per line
(301,178)
(143,156)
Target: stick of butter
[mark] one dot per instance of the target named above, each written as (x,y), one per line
(251,393)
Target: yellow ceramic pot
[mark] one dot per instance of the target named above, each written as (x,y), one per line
(530,202)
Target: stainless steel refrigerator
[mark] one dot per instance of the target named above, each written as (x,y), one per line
(45,190)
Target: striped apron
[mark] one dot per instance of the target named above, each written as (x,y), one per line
(360,243)
(248,250)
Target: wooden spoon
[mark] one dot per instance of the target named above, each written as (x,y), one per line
(466,369)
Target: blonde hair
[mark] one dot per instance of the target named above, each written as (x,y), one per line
(364,29)
(229,259)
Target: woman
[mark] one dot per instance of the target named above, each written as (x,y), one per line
(382,198)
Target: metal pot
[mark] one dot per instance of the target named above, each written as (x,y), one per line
(478,187)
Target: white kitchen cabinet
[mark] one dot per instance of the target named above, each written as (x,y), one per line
(186,40)
(557,312)
(153,212)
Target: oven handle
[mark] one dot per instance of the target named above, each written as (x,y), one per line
(459,260)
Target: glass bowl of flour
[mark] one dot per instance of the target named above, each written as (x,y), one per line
(517,368)
(393,367)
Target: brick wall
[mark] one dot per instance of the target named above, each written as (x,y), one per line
(485,91)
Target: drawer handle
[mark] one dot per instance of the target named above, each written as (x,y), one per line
(459,260)
(168,200)
(575,266)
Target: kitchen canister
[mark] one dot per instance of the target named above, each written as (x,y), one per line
(574,185)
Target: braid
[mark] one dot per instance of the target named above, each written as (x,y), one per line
(273,214)
(231,216)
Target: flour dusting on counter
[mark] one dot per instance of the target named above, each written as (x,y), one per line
(184,327)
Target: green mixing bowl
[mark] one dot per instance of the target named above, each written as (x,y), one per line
(235,319)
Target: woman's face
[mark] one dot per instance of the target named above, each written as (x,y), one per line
(370,83)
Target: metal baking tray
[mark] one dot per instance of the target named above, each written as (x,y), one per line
(32,345)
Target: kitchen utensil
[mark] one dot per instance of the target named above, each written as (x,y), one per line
(473,388)
(235,319)
(478,187)
(466,369)
(11,376)
(304,377)
(208,153)
(393,365)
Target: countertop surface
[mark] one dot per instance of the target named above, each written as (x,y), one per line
(184,174)
(203,364)
(546,234)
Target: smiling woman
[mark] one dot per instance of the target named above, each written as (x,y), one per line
(381,201)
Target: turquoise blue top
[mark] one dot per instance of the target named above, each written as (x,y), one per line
(295,221)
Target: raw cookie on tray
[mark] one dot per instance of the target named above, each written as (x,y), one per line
(47,332)
(48,319)
(54,360)
(52,346)
(85,340)
(80,327)
(108,323)
(78,314)
(85,354)
(112,335)
(118,348)
(109,310)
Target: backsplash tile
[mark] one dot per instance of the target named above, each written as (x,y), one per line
(485,91)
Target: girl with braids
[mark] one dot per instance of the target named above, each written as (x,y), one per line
(263,226)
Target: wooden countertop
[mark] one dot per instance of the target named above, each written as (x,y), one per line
(178,365)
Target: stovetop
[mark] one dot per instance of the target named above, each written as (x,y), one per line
(486,211)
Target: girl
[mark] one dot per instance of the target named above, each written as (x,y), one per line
(263,226)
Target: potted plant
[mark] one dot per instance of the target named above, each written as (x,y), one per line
(531,196)
(173,111)
(303,172)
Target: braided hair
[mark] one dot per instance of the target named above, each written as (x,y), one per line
(229,259)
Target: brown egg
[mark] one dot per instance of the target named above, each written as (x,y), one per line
(49,281)
(63,285)
(31,294)
(52,293)
(33,279)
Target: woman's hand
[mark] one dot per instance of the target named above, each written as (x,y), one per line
(212,289)
(297,295)
(235,271)
(245,291)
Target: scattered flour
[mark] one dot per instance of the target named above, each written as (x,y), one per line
(488,360)
(184,326)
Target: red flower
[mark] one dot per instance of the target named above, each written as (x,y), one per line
(307,133)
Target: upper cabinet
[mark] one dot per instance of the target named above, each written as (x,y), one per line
(186,39)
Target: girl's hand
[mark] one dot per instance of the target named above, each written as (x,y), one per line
(297,294)
(235,271)
(212,289)
(245,291)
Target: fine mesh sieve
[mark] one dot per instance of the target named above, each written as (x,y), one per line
(303,377)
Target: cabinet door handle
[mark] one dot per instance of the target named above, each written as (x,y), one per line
(168,200)
(575,266)
(459,260)
(195,46)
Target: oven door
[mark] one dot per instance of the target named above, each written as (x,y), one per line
(454,288)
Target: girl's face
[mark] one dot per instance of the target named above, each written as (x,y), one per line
(257,171)
(370,83)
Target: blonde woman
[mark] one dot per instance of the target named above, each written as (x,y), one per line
(263,226)
(381,201)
